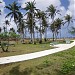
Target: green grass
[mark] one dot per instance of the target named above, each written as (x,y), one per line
(28,48)
(25,48)
(47,65)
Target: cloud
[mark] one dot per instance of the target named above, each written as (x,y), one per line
(2,5)
(71,9)
(2,17)
(41,4)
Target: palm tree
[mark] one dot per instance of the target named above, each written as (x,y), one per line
(30,11)
(52,11)
(44,24)
(12,30)
(0,35)
(58,23)
(56,26)
(68,19)
(40,16)
(21,26)
(6,23)
(4,28)
(0,29)
(37,31)
(14,11)
(72,31)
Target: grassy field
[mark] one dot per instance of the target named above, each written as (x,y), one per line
(61,63)
(28,48)
(25,48)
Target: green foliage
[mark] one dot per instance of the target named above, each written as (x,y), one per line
(68,67)
(4,36)
(13,35)
(4,46)
(45,64)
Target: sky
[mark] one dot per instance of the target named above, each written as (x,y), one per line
(66,7)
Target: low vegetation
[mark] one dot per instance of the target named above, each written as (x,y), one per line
(62,63)
(24,48)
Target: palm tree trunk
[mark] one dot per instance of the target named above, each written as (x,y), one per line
(31,38)
(45,34)
(53,36)
(40,33)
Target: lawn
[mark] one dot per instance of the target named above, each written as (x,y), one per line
(61,63)
(25,48)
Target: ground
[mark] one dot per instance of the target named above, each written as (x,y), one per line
(48,65)
(24,49)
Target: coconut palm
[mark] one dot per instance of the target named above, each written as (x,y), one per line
(37,31)
(52,11)
(44,24)
(12,30)
(68,19)
(14,11)
(6,23)
(56,26)
(21,26)
(30,11)
(0,29)
(72,31)
(40,16)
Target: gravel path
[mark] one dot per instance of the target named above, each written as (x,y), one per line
(17,58)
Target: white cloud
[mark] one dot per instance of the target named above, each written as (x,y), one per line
(2,17)
(71,9)
(41,4)
(2,5)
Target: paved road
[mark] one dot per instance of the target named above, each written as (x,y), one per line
(17,58)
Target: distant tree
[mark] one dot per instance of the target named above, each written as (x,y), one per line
(30,11)
(68,19)
(0,29)
(14,11)
(6,23)
(21,26)
(55,26)
(41,16)
(37,31)
(12,30)
(72,30)
(4,28)
(52,11)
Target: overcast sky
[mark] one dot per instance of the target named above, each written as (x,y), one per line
(66,7)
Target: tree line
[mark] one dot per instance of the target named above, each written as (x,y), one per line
(36,20)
